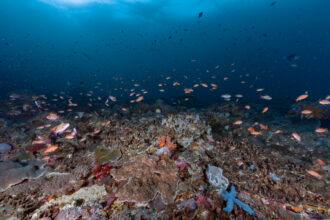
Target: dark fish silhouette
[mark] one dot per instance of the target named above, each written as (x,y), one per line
(272,4)
(200,14)
(291,57)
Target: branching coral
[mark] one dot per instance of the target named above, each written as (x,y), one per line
(187,128)
(146,177)
(166,142)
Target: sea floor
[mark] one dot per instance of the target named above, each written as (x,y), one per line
(155,161)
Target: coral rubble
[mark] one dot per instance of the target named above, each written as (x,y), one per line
(146,177)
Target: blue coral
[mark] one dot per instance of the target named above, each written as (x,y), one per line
(230,197)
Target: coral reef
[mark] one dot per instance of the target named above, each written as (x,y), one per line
(166,142)
(12,173)
(13,205)
(214,175)
(188,128)
(89,210)
(4,147)
(146,177)
(88,194)
(230,198)
(145,162)
(104,155)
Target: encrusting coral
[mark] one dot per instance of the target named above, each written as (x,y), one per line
(146,177)
(12,173)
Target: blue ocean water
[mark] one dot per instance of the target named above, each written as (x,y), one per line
(68,46)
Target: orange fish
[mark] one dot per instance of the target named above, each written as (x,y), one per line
(188,90)
(139,99)
(278,131)
(321,130)
(214,85)
(260,90)
(69,137)
(105,123)
(247,107)
(53,117)
(301,97)
(306,112)
(204,85)
(314,173)
(324,102)
(264,110)
(320,162)
(253,132)
(263,126)
(50,148)
(238,122)
(296,136)
(38,142)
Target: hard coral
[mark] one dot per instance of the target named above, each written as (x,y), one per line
(146,177)
(12,173)
(186,129)
(90,210)
(4,147)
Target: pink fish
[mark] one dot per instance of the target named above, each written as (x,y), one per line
(324,102)
(296,136)
(59,129)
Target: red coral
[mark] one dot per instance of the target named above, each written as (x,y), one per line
(102,170)
(35,147)
(110,200)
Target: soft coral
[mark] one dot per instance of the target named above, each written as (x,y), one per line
(165,141)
